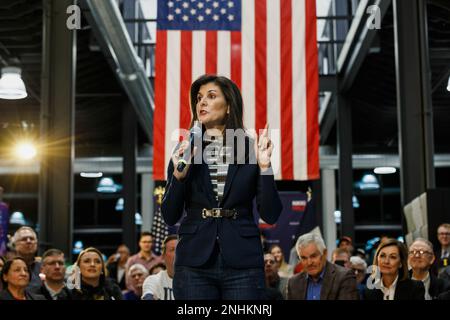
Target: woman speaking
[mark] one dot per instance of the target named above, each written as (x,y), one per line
(219,254)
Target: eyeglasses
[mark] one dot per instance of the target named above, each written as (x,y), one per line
(358,271)
(419,253)
(444,234)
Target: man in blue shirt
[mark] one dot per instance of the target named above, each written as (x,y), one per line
(320,279)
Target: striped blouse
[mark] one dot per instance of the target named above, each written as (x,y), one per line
(215,155)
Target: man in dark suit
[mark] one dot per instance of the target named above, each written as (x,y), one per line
(320,280)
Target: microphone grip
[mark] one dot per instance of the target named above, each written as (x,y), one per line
(181,165)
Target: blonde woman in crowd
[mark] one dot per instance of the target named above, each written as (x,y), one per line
(94,285)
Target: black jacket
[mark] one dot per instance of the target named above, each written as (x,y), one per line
(112,270)
(437,286)
(106,290)
(239,238)
(6,295)
(406,290)
(64,294)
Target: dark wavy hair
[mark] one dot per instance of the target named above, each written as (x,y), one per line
(232,96)
(7,267)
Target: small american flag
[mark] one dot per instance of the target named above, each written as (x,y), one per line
(160,231)
(267,47)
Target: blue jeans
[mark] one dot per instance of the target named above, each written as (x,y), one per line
(216,281)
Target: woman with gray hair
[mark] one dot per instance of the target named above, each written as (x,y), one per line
(137,274)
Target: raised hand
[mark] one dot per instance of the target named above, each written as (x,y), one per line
(263,148)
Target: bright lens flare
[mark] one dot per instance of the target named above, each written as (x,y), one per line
(25,151)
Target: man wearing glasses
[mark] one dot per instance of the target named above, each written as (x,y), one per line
(420,259)
(443,255)
(26,245)
(54,269)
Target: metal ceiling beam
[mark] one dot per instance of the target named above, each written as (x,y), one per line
(354,51)
(345,172)
(111,165)
(57,128)
(414,107)
(129,67)
(442,78)
(327,83)
(327,120)
(357,43)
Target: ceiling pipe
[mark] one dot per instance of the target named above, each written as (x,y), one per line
(130,69)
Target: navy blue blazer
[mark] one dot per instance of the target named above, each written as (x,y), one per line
(239,239)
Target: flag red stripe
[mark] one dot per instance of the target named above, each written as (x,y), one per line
(159,122)
(286,90)
(260,64)
(236,59)
(211,52)
(312,92)
(186,78)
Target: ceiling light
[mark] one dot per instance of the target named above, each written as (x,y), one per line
(448,85)
(11,84)
(78,247)
(91,174)
(107,185)
(17,218)
(368,181)
(384,170)
(119,204)
(138,219)
(25,151)
(337,216)
(355,202)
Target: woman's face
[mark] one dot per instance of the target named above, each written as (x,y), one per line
(17,275)
(276,252)
(211,106)
(91,265)
(389,260)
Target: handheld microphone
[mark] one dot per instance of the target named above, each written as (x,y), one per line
(195,133)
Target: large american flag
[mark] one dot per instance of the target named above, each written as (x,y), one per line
(267,47)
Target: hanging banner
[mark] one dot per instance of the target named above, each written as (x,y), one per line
(297,218)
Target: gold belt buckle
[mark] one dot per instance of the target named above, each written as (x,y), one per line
(213,213)
(216,212)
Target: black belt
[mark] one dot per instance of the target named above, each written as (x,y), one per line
(219,213)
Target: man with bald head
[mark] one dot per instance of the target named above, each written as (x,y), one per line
(420,259)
